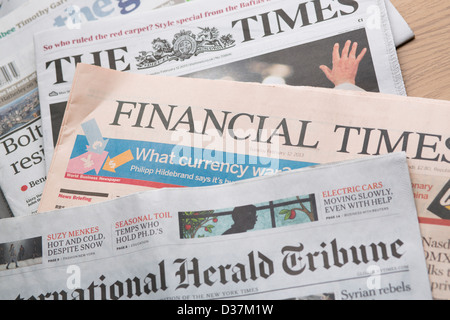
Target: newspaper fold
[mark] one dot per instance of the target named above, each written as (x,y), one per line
(125,133)
(401,31)
(5,212)
(293,235)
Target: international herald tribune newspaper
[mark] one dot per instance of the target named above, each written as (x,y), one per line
(125,133)
(22,160)
(276,237)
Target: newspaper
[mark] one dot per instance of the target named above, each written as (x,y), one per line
(401,31)
(18,88)
(290,43)
(125,133)
(22,163)
(7,6)
(276,237)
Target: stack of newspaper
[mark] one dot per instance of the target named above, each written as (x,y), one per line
(100,108)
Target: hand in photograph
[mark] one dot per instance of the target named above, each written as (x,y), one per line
(345,65)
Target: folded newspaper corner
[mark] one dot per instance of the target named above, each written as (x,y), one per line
(286,236)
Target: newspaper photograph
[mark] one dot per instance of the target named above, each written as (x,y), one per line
(292,42)
(288,236)
(126,133)
(22,161)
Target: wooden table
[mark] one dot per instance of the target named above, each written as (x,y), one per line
(425,61)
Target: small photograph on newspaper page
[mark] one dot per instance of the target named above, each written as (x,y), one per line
(303,65)
(248,218)
(19,112)
(324,296)
(21,253)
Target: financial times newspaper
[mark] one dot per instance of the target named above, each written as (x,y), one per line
(346,231)
(278,41)
(125,133)
(22,161)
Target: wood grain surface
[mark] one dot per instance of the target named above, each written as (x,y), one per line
(425,61)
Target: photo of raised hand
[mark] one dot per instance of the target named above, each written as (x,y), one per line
(345,64)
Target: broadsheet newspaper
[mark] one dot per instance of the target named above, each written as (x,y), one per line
(22,161)
(277,237)
(126,132)
(281,41)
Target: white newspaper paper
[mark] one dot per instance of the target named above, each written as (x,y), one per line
(266,238)
(401,31)
(7,6)
(22,162)
(278,41)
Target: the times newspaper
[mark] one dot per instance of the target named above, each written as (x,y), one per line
(22,160)
(346,231)
(126,132)
(278,41)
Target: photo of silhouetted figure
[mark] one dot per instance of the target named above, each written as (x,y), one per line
(244,219)
(2,256)
(12,256)
(21,253)
(35,249)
